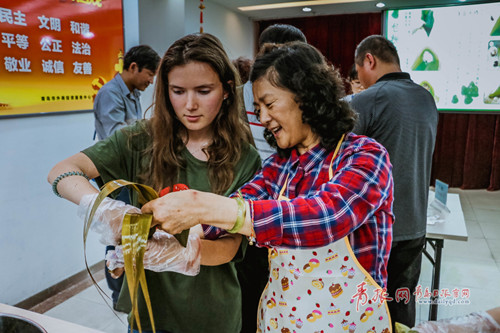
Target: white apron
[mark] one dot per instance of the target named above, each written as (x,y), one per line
(321,290)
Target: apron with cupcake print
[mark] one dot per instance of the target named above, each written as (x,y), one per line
(321,290)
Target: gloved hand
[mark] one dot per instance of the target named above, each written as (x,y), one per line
(473,322)
(164,254)
(114,263)
(108,217)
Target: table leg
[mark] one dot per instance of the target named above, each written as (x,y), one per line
(436,272)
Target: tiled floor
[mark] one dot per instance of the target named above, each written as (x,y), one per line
(473,265)
(89,309)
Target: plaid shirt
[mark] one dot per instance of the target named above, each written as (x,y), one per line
(357,201)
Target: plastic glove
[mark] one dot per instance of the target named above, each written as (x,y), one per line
(114,259)
(107,218)
(114,264)
(165,254)
(473,322)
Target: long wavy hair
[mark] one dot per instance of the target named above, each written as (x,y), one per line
(169,135)
(318,88)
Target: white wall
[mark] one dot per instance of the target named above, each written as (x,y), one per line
(234,30)
(160,24)
(40,235)
(163,22)
(131,23)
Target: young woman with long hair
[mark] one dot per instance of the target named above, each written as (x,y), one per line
(197,137)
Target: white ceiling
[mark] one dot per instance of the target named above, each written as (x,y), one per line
(339,8)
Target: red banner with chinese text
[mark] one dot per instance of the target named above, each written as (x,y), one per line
(56,54)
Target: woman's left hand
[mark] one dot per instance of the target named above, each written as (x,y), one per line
(163,254)
(176,211)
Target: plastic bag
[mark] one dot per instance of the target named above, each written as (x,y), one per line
(480,322)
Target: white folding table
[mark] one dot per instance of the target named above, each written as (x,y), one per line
(453,228)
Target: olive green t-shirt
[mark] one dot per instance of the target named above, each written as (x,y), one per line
(208,302)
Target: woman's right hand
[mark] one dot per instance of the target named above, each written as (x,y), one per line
(108,217)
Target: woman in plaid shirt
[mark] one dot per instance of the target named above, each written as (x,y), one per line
(323,184)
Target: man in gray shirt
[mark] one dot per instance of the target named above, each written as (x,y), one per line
(117,103)
(402,116)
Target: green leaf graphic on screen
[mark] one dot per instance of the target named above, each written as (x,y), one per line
(496,93)
(426,61)
(428,18)
(469,92)
(496,28)
(493,98)
(454,100)
(395,14)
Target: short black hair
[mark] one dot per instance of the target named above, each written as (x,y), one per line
(380,47)
(144,56)
(318,88)
(281,33)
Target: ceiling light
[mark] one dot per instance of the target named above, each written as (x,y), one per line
(306,9)
(297,4)
(461,0)
(380,5)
